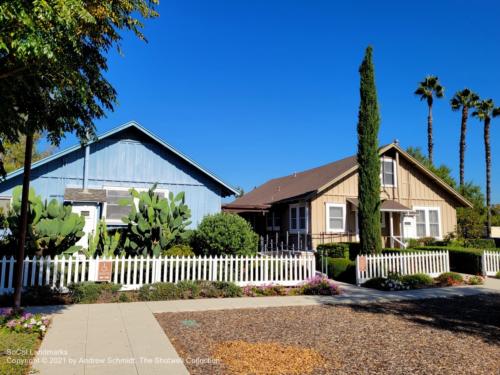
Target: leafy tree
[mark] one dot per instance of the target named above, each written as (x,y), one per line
(13,155)
(443,171)
(156,224)
(485,110)
(426,90)
(52,57)
(225,234)
(368,160)
(464,100)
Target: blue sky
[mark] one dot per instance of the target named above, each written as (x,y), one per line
(258,89)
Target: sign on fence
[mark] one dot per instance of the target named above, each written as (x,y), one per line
(431,263)
(133,272)
(104,271)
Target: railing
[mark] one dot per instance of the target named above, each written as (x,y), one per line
(133,272)
(289,242)
(491,263)
(371,266)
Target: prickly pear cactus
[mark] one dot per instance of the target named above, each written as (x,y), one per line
(156,223)
(101,243)
(52,228)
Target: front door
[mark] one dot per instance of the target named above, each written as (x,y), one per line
(409,226)
(89,212)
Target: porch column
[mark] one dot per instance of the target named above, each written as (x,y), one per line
(391,229)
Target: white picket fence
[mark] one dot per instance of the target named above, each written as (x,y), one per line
(491,263)
(431,263)
(133,272)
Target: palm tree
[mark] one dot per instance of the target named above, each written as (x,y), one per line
(485,110)
(427,89)
(465,100)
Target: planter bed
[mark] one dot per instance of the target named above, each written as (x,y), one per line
(421,337)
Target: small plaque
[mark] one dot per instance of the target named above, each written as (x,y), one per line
(362,263)
(104,271)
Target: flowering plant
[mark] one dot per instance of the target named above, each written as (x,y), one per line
(23,321)
(320,285)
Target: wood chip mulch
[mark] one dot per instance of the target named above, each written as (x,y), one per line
(435,336)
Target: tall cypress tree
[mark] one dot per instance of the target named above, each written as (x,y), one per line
(369,160)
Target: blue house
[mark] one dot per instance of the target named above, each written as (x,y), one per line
(95,178)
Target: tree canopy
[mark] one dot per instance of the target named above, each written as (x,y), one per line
(13,155)
(53,55)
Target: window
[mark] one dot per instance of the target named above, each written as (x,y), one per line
(298,218)
(119,202)
(388,172)
(382,220)
(4,204)
(335,217)
(273,221)
(428,223)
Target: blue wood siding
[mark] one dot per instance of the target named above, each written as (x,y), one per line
(128,159)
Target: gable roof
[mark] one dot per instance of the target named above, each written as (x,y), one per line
(131,124)
(316,180)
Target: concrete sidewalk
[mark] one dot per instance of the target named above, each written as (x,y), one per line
(125,338)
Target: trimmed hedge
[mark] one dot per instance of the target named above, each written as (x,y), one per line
(341,269)
(334,250)
(480,243)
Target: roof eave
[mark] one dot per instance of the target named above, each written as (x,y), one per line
(229,189)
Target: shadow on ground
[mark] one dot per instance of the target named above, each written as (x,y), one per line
(474,315)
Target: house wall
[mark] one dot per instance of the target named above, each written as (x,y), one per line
(128,159)
(413,189)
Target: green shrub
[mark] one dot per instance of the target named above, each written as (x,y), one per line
(375,283)
(480,243)
(91,292)
(158,292)
(334,250)
(498,275)
(264,290)
(475,280)
(450,279)
(225,234)
(179,251)
(228,289)
(188,289)
(417,280)
(42,295)
(341,269)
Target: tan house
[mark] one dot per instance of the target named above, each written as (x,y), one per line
(320,205)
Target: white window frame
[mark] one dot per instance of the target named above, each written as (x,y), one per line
(385,159)
(426,209)
(298,206)
(344,218)
(136,201)
(273,227)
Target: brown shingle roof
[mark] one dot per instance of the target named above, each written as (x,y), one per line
(294,185)
(317,179)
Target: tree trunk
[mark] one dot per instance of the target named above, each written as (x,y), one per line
(463,130)
(488,174)
(18,280)
(430,145)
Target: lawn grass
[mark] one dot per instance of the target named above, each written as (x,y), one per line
(16,351)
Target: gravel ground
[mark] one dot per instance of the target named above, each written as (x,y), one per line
(435,336)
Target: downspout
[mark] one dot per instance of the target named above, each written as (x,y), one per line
(86,168)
